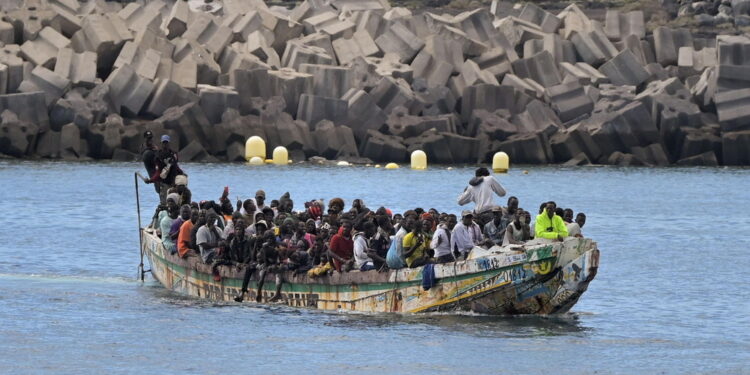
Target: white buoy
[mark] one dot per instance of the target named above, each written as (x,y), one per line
(343,163)
(418,160)
(256,160)
(500,162)
(280,156)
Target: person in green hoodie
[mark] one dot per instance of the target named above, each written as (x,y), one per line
(550,226)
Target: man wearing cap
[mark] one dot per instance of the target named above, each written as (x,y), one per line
(260,200)
(166,168)
(180,188)
(466,235)
(495,228)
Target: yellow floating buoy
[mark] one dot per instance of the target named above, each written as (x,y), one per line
(418,160)
(255,146)
(376,165)
(256,160)
(391,166)
(500,162)
(525,172)
(280,156)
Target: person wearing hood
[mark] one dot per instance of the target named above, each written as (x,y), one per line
(549,225)
(480,191)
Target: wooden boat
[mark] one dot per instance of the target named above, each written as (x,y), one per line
(532,279)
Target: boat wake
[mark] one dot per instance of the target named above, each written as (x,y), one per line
(67,278)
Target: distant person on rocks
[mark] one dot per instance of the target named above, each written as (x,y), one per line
(480,191)
(166,168)
(148,156)
(549,225)
(441,240)
(183,238)
(465,236)
(209,238)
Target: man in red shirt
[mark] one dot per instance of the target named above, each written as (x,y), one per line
(341,249)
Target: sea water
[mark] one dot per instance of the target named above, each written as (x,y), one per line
(671,295)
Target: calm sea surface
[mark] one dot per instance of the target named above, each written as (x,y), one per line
(672,294)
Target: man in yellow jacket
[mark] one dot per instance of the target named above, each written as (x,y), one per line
(550,226)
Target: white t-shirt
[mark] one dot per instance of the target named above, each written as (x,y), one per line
(205,235)
(360,251)
(573,229)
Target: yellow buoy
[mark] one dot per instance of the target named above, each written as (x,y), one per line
(255,146)
(343,163)
(377,165)
(500,162)
(391,166)
(256,160)
(418,160)
(280,156)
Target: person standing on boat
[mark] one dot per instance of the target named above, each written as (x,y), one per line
(550,226)
(148,156)
(480,191)
(466,235)
(166,168)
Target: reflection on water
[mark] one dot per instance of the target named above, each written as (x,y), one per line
(668,297)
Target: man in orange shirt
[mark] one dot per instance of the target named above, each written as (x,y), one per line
(183,239)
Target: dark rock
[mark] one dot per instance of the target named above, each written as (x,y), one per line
(736,147)
(48,144)
(17,137)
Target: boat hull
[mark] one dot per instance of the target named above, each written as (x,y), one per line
(538,279)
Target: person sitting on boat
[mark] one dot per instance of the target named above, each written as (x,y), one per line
(184,246)
(517,232)
(494,230)
(441,240)
(574,230)
(337,205)
(251,248)
(341,248)
(240,245)
(363,253)
(248,211)
(174,230)
(480,191)
(269,261)
(549,225)
(381,242)
(395,257)
(209,238)
(581,220)
(180,188)
(323,267)
(465,235)
(417,244)
(166,218)
(532,225)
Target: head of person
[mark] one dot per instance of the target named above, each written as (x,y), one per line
(581,219)
(260,197)
(451,221)
(419,211)
(550,209)
(236,216)
(397,218)
(369,228)
(288,226)
(357,204)
(497,214)
(408,223)
(239,227)
(172,203)
(383,222)
(347,232)
(286,205)
(261,227)
(411,214)
(301,228)
(165,142)
(426,226)
(481,172)
(148,138)
(416,226)
(180,182)
(323,233)
(434,212)
(568,215)
(519,216)
(259,216)
(274,204)
(268,213)
(336,204)
(381,211)
(211,219)
(542,207)
(512,204)
(249,206)
(194,213)
(467,218)
(201,217)
(310,226)
(185,212)
(559,211)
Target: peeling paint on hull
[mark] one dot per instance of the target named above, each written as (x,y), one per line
(540,279)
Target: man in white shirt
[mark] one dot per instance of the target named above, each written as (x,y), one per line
(209,239)
(466,235)
(480,191)
(362,251)
(441,240)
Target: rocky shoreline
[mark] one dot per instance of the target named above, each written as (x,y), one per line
(363,81)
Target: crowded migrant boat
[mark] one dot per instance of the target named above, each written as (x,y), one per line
(320,238)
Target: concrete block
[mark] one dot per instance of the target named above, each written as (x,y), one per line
(144,61)
(574,141)
(383,148)
(363,113)
(434,71)
(733,109)
(574,20)
(540,68)
(652,154)
(128,92)
(166,94)
(532,148)
(495,61)
(297,54)
(188,123)
(477,24)
(29,22)
(692,62)
(9,58)
(667,43)
(103,139)
(242,25)
(569,100)
(312,109)
(434,100)
(537,116)
(391,93)
(401,41)
(486,97)
(593,47)
(208,68)
(360,44)
(48,144)
(329,81)
(389,66)
(618,26)
(632,43)
(283,28)
(79,68)
(104,35)
(333,141)
(624,69)
(623,129)
(215,100)
(449,50)
(42,79)
(706,159)
(7,33)
(17,137)
(70,142)
(43,50)
(140,17)
(204,30)
(177,20)
(546,21)
(584,73)
(735,147)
